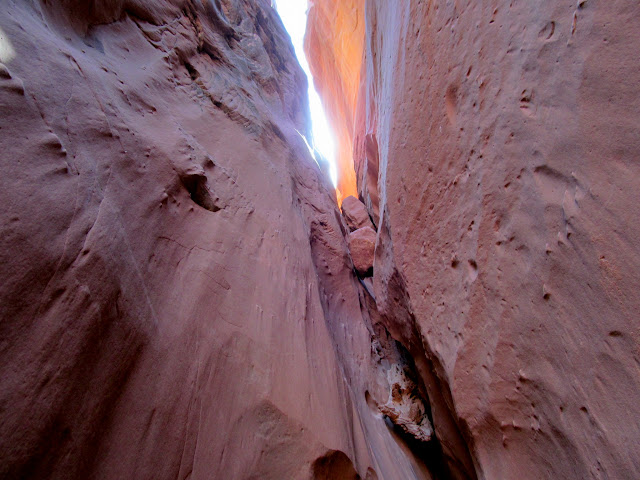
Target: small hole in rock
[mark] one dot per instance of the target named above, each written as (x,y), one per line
(196,185)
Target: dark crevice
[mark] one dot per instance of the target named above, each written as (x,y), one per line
(333,466)
(429,453)
(193,73)
(428,389)
(453,463)
(198,188)
(447,454)
(366,288)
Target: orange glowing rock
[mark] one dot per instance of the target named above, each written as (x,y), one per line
(334,44)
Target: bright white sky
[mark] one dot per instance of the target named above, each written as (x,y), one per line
(294,16)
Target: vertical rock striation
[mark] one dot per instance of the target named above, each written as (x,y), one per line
(495,146)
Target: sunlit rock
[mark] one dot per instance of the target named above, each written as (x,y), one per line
(334,46)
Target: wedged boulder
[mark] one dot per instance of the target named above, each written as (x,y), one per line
(355,213)
(362,245)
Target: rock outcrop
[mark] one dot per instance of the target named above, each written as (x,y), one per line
(495,146)
(177,297)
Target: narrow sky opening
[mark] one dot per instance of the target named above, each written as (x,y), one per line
(7,53)
(294,16)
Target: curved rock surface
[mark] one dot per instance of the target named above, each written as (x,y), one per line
(496,148)
(177,299)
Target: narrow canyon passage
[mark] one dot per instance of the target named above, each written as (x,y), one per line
(495,147)
(185,294)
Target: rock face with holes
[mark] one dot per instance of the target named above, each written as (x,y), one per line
(496,149)
(177,298)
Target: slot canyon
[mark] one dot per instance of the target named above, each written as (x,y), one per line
(185,293)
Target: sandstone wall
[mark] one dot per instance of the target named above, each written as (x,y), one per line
(177,298)
(496,149)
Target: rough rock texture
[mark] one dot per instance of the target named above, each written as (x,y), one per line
(362,245)
(355,213)
(177,299)
(334,43)
(496,147)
